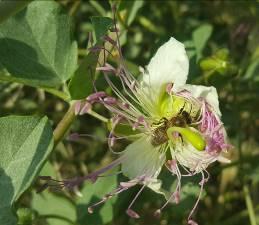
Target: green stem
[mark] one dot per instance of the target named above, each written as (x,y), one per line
(64,124)
(58,93)
(98,116)
(249,205)
(68,119)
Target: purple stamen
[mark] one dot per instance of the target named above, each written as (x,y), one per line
(77,107)
(213,131)
(107,68)
(135,198)
(73,137)
(90,210)
(129,184)
(157,213)
(123,186)
(176,197)
(86,108)
(140,121)
(132,214)
(125,105)
(192,222)
(110,40)
(110,100)
(172,166)
(96,96)
(95,49)
(197,201)
(112,140)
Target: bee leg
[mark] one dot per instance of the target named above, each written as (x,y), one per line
(161,121)
(181,110)
(181,137)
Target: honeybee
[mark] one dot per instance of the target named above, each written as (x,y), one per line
(182,119)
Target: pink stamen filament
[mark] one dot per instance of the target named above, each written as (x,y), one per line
(198,199)
(135,198)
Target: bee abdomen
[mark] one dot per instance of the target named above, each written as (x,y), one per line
(159,136)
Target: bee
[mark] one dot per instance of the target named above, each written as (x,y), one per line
(182,119)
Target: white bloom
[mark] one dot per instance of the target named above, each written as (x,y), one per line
(166,114)
(162,114)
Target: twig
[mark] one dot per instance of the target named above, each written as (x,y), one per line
(64,124)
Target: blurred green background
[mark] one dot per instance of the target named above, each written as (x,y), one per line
(222,41)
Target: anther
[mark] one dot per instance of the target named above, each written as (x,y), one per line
(90,210)
(86,108)
(77,107)
(132,214)
(157,213)
(192,222)
(96,96)
(110,40)
(73,137)
(110,100)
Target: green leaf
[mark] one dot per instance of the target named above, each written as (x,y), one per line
(9,8)
(200,37)
(93,193)
(80,86)
(62,209)
(101,26)
(25,145)
(36,48)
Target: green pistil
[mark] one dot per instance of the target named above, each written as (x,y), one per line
(189,135)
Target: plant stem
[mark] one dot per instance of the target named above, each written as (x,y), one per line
(98,116)
(68,119)
(64,124)
(58,93)
(249,205)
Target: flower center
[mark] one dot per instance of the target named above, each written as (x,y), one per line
(185,113)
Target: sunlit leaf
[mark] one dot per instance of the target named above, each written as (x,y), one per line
(48,203)
(81,84)
(200,37)
(101,26)
(36,47)
(25,144)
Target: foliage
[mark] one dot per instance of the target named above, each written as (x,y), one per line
(45,64)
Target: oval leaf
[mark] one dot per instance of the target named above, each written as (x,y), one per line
(35,46)
(25,145)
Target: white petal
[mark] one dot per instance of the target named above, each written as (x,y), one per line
(223,159)
(208,93)
(141,158)
(170,64)
(191,158)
